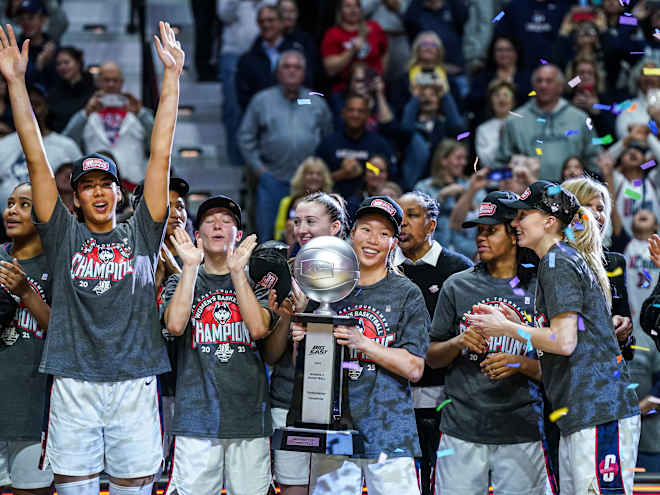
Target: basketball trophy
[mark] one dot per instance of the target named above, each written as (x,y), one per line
(326,270)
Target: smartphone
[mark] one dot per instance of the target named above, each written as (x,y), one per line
(114,100)
(499,174)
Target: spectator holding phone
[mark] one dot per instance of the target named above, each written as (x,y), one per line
(114,121)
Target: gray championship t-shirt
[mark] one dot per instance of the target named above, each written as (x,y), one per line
(392,313)
(592,382)
(104,323)
(21,343)
(221,386)
(482,410)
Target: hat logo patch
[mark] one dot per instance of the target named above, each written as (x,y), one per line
(526,194)
(95,164)
(487,209)
(379,203)
(268,281)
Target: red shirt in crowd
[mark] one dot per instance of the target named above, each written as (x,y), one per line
(337,40)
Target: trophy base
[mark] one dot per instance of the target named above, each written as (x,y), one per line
(318,441)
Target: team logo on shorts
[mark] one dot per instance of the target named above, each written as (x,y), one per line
(608,468)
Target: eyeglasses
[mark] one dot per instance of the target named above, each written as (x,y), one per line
(429,44)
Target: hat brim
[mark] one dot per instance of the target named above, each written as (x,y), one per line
(365,210)
(85,172)
(218,202)
(517,204)
(481,221)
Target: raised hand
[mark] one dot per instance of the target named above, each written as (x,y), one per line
(238,257)
(169,49)
(13,62)
(190,254)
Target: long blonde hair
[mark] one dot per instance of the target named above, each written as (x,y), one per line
(585,189)
(414,55)
(297,182)
(588,242)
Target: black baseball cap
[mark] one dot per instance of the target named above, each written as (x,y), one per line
(31,6)
(92,163)
(492,211)
(385,206)
(219,201)
(180,186)
(548,197)
(268,268)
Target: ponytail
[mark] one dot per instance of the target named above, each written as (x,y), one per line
(588,242)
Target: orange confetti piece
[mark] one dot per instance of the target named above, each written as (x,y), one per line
(632,108)
(636,470)
(619,358)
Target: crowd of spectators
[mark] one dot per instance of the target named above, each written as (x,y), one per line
(453,98)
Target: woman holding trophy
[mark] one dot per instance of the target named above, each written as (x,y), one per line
(385,353)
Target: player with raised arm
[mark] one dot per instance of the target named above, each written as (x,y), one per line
(104,345)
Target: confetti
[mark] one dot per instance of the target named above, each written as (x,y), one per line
(636,470)
(589,124)
(397,451)
(617,374)
(652,411)
(637,53)
(656,305)
(580,323)
(519,292)
(373,168)
(527,265)
(462,135)
(350,365)
(569,234)
(619,358)
(498,17)
(578,226)
(445,453)
(555,415)
(616,272)
(632,194)
(632,109)
(315,93)
(637,183)
(647,165)
(476,160)
(531,93)
(653,127)
(651,71)
(304,101)
(647,275)
(539,141)
(524,334)
(513,365)
(600,106)
(382,457)
(629,21)
(632,386)
(443,404)
(553,336)
(624,105)
(575,81)
(515,114)
(570,132)
(607,139)
(551,260)
(542,121)
(514,281)
(543,61)
(539,151)
(553,190)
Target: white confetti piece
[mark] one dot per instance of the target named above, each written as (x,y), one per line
(304,101)
(575,81)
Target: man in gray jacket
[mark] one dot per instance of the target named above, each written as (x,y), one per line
(282,126)
(548,127)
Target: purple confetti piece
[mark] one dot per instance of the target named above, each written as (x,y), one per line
(652,411)
(498,17)
(513,365)
(647,275)
(351,365)
(315,93)
(637,53)
(629,21)
(580,324)
(514,281)
(551,260)
(600,106)
(637,182)
(578,226)
(654,127)
(617,374)
(553,336)
(544,62)
(570,132)
(647,165)
(462,135)
(519,292)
